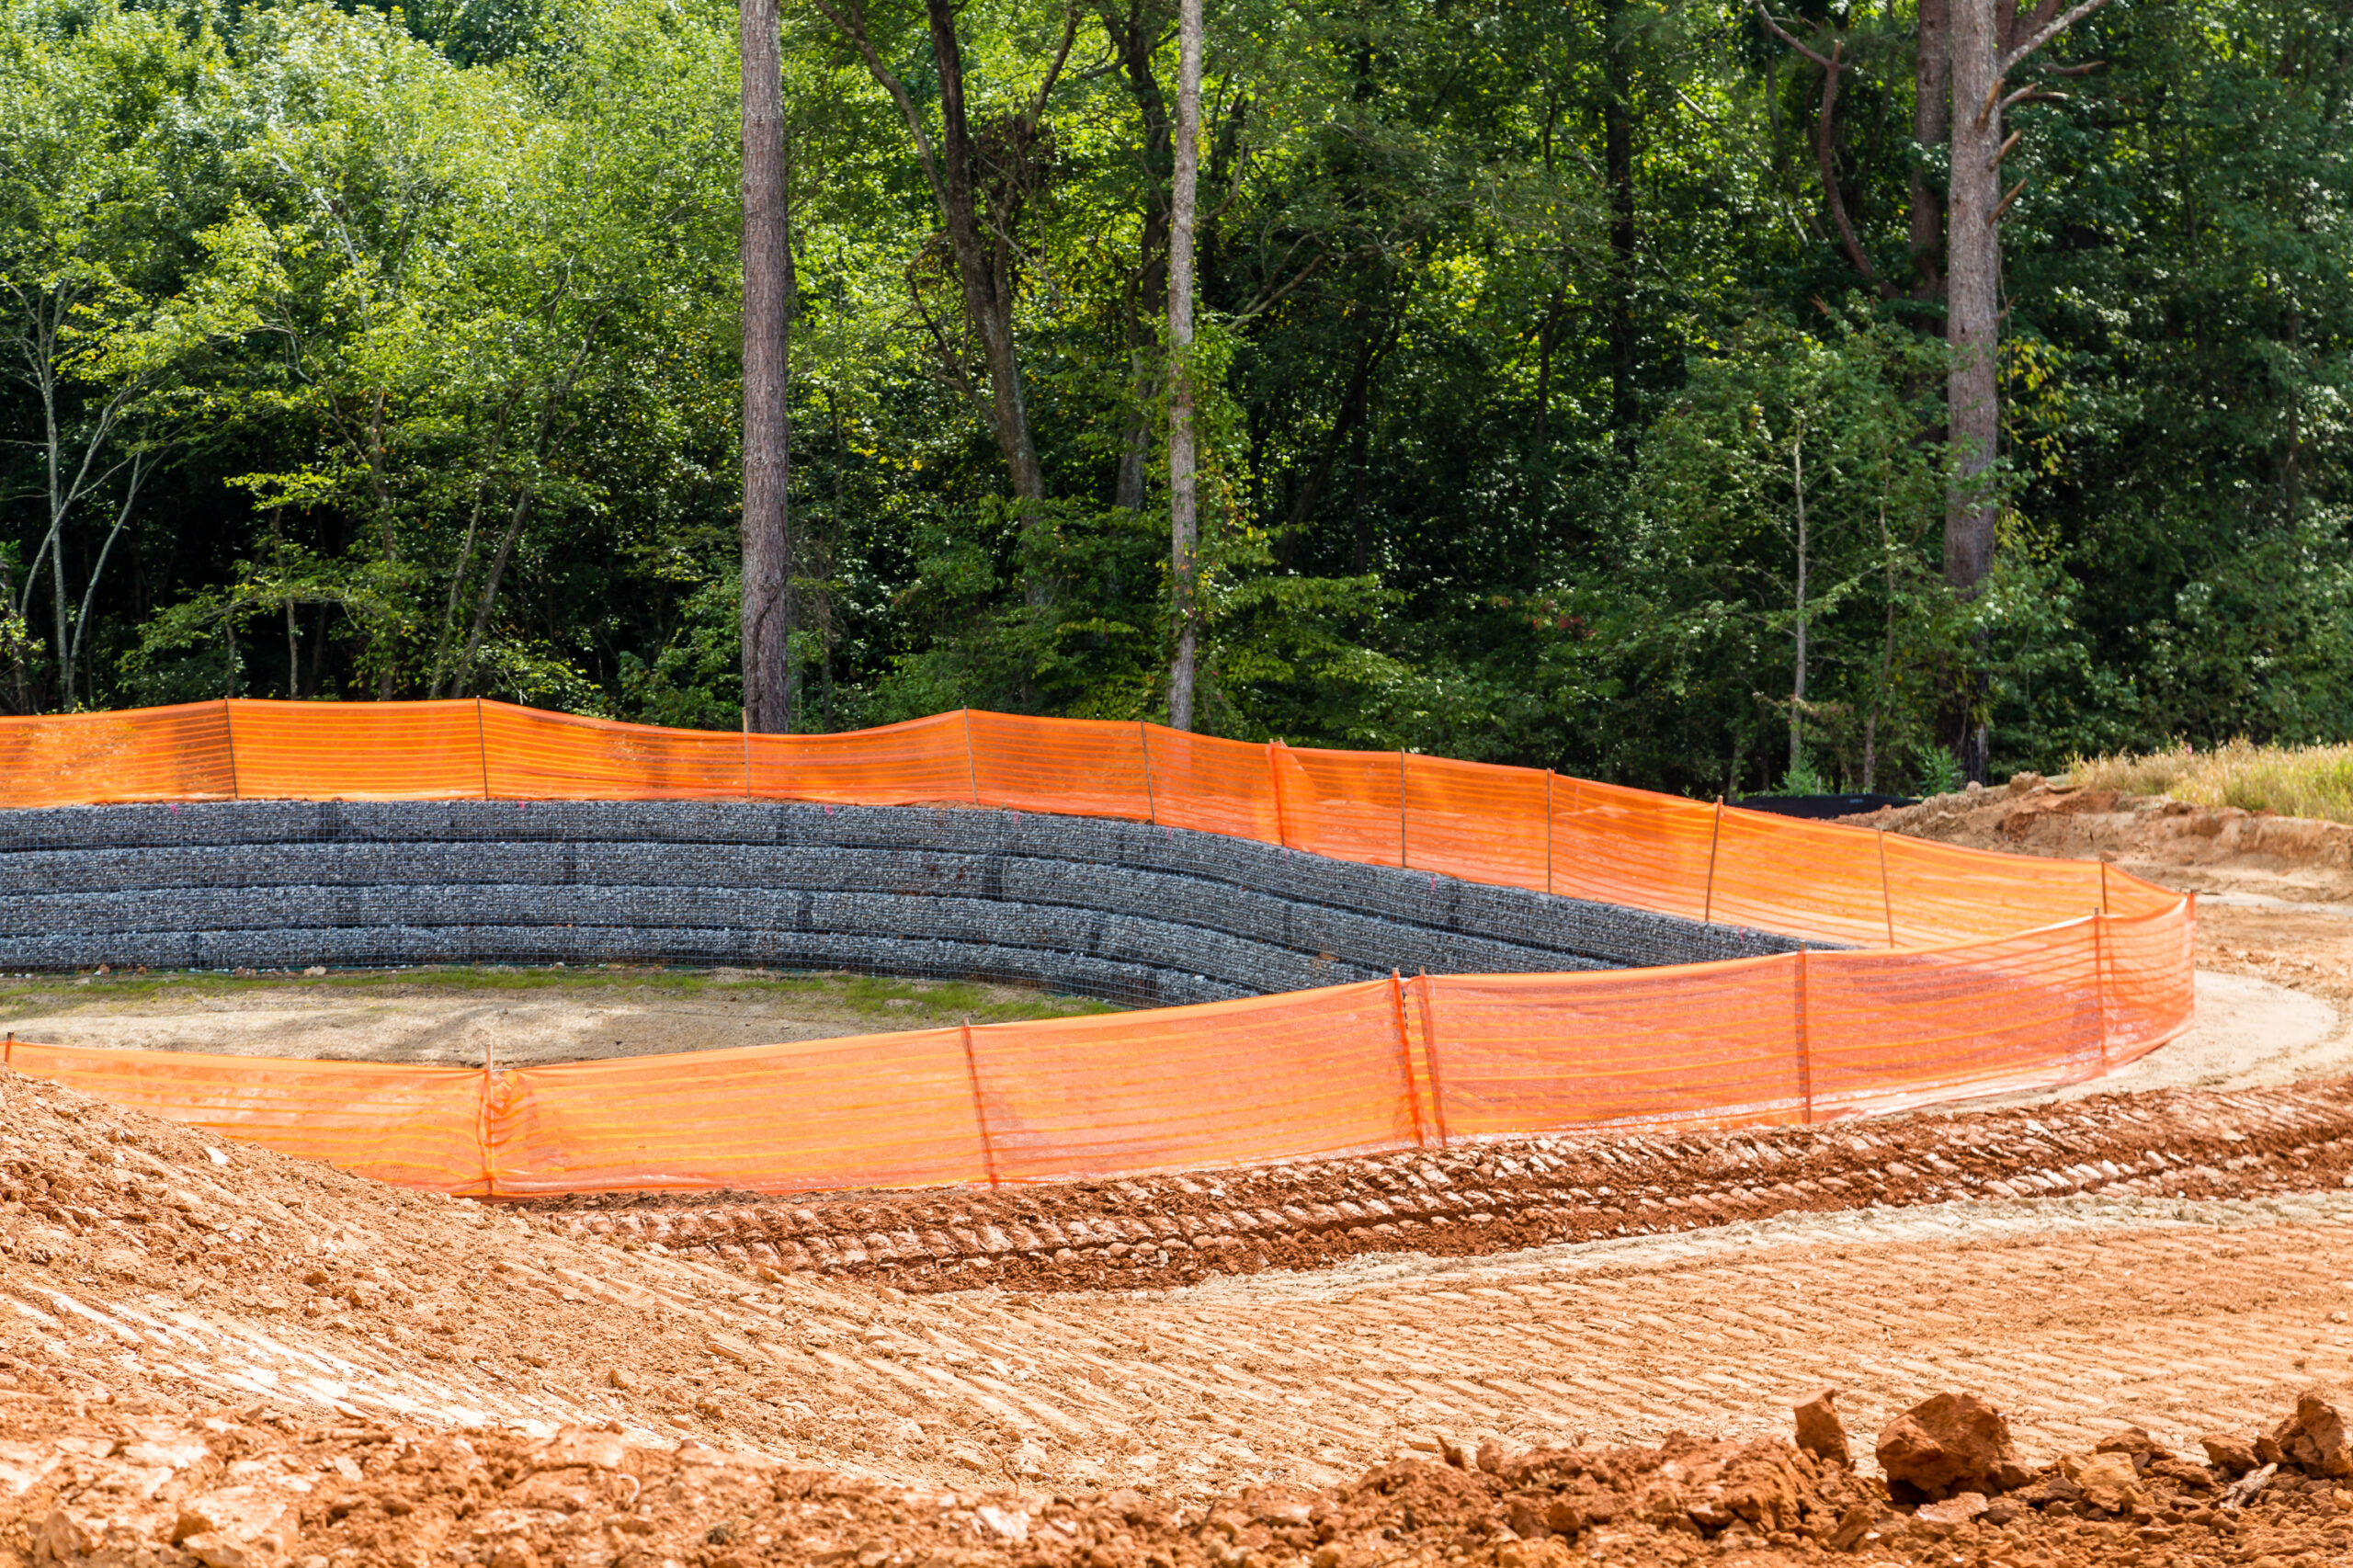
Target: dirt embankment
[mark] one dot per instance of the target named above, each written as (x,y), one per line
(2195,849)
(226,1491)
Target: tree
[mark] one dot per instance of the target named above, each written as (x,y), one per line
(85,276)
(1965,52)
(768,572)
(1985,52)
(1183,515)
(979,217)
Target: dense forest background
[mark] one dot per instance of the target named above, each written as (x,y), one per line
(372,354)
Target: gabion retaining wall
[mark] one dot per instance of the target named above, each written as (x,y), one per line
(1124,911)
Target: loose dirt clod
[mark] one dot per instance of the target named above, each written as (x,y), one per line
(226,1490)
(2311,1440)
(1820,1432)
(1946,1445)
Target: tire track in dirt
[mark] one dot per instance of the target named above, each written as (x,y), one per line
(1497,1197)
(144,1271)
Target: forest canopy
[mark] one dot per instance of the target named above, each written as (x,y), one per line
(1544,350)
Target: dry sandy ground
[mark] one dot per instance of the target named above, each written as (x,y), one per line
(508,1019)
(140,1268)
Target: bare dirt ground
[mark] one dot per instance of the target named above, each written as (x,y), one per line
(396,1379)
(507,1017)
(219,1355)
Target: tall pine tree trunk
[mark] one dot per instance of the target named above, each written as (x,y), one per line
(766,613)
(1972,330)
(1183,518)
(1931,125)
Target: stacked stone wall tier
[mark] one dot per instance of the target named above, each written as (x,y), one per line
(1128,911)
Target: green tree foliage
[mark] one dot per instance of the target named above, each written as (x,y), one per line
(370,353)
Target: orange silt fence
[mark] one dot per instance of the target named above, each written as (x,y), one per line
(1081,767)
(1946,971)
(1349,805)
(873,1110)
(921,762)
(1212,786)
(374,750)
(1476,821)
(155,754)
(417,1126)
(1516,1053)
(1758,859)
(1322,1072)
(531,755)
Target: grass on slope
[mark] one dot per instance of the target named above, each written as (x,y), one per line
(904,1003)
(2295,782)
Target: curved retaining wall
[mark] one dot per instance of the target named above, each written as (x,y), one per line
(1127,911)
(1163,864)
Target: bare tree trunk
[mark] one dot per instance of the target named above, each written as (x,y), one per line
(1973,326)
(1183,515)
(1988,40)
(1931,126)
(767,614)
(1797,685)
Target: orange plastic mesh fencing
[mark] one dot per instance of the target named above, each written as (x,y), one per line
(1907,1029)
(1993,971)
(1475,821)
(1542,1052)
(531,755)
(417,1126)
(1082,768)
(1944,893)
(874,1110)
(153,754)
(1347,805)
(358,751)
(1620,845)
(2147,980)
(1325,1070)
(921,762)
(1759,859)
(1211,786)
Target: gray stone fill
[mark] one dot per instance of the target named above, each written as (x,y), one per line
(1125,911)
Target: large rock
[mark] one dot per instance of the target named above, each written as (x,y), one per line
(1821,1432)
(2233,1456)
(2108,1481)
(1947,1445)
(2314,1439)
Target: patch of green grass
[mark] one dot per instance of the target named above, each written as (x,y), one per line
(896,1004)
(2295,782)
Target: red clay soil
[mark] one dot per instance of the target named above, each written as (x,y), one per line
(1497,1196)
(228,1491)
(2168,841)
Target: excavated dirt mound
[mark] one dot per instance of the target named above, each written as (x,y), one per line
(2171,841)
(1497,1196)
(225,1491)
